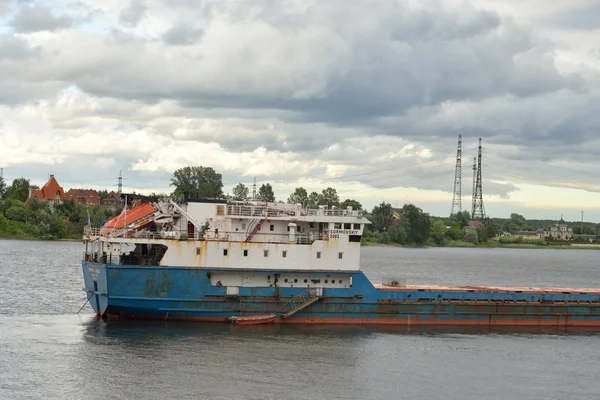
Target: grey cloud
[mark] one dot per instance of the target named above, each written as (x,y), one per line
(586,17)
(15,48)
(132,15)
(39,18)
(182,35)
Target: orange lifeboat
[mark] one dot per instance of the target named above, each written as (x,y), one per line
(253,319)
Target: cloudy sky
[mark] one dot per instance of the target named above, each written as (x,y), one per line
(368,97)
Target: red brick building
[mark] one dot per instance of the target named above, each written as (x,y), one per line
(113,199)
(51,192)
(88,197)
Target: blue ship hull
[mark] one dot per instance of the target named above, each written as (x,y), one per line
(128,291)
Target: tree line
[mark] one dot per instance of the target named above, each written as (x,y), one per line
(200,182)
(36,219)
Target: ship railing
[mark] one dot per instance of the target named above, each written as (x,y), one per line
(339,212)
(258,211)
(90,232)
(241,236)
(287,210)
(115,259)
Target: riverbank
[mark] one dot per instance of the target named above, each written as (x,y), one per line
(494,245)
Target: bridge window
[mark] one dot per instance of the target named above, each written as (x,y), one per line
(266,253)
(284,253)
(347,226)
(318,254)
(356,226)
(198,251)
(244,227)
(337,225)
(225,252)
(272,227)
(246,253)
(340,255)
(311,224)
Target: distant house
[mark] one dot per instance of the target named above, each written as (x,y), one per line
(474,223)
(88,197)
(535,235)
(396,216)
(113,199)
(51,192)
(559,231)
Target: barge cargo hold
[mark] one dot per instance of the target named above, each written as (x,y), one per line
(217,261)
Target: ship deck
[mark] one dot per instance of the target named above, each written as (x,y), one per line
(486,289)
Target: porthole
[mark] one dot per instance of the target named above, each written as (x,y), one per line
(285,280)
(340,281)
(325,280)
(306,281)
(295,280)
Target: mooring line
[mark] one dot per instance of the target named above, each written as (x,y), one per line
(88,299)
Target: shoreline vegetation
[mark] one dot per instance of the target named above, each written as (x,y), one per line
(25,217)
(490,245)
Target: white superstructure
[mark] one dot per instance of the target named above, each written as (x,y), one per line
(235,235)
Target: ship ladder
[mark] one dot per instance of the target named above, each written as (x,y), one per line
(300,302)
(255,229)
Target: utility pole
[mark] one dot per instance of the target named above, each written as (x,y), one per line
(478,209)
(474,185)
(120,186)
(581,223)
(457,197)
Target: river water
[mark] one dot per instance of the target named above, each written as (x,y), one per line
(47,351)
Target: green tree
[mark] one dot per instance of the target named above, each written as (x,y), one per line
(104,194)
(491,228)
(329,197)
(299,196)
(313,200)
(482,233)
(351,203)
(265,193)
(462,218)
(416,223)
(471,236)
(2,187)
(382,216)
(197,183)
(19,190)
(515,223)
(456,232)
(398,234)
(16,213)
(240,192)
(438,232)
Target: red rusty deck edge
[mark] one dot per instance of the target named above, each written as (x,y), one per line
(486,289)
(383,321)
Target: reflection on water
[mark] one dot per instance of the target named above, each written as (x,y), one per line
(49,352)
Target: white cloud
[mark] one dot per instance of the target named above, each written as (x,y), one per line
(366,99)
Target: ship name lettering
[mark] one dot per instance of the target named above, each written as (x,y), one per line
(343,232)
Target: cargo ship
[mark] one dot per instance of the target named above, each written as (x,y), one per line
(255,262)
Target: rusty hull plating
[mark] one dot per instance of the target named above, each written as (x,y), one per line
(134,292)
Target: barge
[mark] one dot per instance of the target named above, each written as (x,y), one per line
(218,261)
